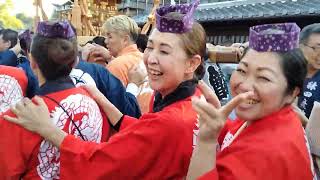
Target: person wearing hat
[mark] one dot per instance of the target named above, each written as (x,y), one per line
(310,45)
(25,38)
(267,140)
(83,73)
(159,144)
(24,155)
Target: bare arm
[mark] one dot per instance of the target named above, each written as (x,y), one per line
(203,159)
(212,119)
(108,108)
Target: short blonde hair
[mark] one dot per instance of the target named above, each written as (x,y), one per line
(124,24)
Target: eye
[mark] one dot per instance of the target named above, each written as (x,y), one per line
(264,78)
(164,52)
(241,71)
(149,48)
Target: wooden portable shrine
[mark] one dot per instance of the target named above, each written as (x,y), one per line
(87,16)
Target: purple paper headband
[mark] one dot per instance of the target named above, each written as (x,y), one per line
(25,37)
(176,25)
(274,37)
(60,29)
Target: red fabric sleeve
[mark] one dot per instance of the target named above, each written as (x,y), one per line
(16,147)
(241,164)
(142,151)
(260,162)
(212,175)
(127,120)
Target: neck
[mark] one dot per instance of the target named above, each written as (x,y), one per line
(41,78)
(169,91)
(125,48)
(311,71)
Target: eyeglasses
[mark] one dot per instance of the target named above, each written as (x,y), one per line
(314,48)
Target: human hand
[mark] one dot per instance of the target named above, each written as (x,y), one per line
(100,53)
(239,48)
(96,94)
(32,116)
(137,74)
(109,109)
(85,51)
(211,117)
(17,48)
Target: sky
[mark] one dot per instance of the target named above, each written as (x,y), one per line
(26,6)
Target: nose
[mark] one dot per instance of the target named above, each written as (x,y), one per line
(151,57)
(246,85)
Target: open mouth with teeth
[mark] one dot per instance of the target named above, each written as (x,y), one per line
(154,72)
(252,101)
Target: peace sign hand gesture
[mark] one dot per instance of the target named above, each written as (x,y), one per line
(212,116)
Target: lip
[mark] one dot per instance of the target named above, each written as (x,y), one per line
(152,76)
(245,106)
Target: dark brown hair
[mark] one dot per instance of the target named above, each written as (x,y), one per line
(54,56)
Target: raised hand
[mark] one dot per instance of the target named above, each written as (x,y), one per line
(212,116)
(85,52)
(100,53)
(137,74)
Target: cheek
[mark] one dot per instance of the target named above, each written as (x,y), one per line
(235,80)
(145,57)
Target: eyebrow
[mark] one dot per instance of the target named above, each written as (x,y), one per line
(266,69)
(259,68)
(244,63)
(161,44)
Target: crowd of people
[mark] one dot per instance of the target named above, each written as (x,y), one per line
(130,106)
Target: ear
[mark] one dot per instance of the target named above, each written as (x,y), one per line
(193,63)
(291,97)
(33,64)
(8,44)
(126,40)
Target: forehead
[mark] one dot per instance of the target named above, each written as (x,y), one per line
(256,59)
(314,39)
(171,39)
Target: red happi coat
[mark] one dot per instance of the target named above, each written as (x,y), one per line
(13,86)
(273,148)
(26,155)
(157,146)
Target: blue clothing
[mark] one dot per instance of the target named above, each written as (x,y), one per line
(309,94)
(110,87)
(8,58)
(108,84)
(33,83)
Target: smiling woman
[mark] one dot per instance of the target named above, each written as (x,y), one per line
(267,135)
(160,143)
